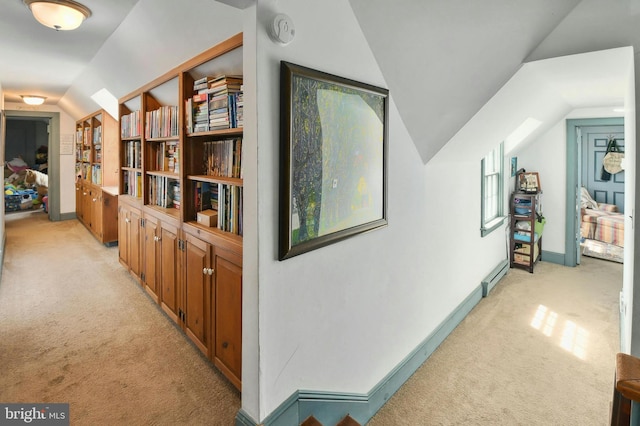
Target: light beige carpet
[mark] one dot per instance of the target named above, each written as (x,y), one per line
(74,327)
(540,350)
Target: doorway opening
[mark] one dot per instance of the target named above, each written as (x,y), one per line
(52,120)
(591,199)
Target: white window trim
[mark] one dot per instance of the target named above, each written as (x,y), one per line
(487,227)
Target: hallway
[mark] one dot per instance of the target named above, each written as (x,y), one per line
(76,328)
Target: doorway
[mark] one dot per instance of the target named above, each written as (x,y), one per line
(53,153)
(581,167)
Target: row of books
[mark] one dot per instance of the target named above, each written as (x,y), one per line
(132,183)
(87,136)
(162,123)
(167,157)
(223,158)
(130,125)
(132,154)
(215,104)
(96,174)
(164,192)
(97,135)
(223,198)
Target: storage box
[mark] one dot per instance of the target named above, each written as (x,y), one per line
(207,217)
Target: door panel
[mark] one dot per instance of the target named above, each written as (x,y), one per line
(228,319)
(150,258)
(594,148)
(169,274)
(198,293)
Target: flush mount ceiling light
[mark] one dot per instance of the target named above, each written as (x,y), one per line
(32,99)
(58,14)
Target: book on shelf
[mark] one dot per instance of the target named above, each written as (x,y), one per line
(214,107)
(132,183)
(162,122)
(223,158)
(167,157)
(130,125)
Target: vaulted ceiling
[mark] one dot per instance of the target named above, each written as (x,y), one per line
(442,60)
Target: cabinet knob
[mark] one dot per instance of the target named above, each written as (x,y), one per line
(95,199)
(211,271)
(204,271)
(127,220)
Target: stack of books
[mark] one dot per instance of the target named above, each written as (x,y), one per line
(216,104)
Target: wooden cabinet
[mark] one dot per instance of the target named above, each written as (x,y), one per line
(129,238)
(151,250)
(527,224)
(198,293)
(96,175)
(170,271)
(227,350)
(180,153)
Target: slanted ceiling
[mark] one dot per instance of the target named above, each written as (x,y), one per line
(443,60)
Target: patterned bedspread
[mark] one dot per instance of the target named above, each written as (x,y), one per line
(603,225)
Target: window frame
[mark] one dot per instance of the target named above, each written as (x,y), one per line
(489,225)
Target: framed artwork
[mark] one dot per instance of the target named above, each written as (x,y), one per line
(529,182)
(333,159)
(514,166)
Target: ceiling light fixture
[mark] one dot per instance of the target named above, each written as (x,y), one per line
(33,99)
(58,14)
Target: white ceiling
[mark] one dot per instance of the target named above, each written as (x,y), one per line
(442,61)
(41,61)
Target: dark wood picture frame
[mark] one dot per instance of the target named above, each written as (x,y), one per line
(529,182)
(333,158)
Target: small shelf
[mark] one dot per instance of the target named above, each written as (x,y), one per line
(525,241)
(216,179)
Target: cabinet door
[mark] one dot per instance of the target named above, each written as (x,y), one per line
(228,319)
(151,252)
(123,234)
(135,258)
(86,205)
(79,201)
(169,266)
(197,306)
(96,212)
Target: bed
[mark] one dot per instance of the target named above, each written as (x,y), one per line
(601,222)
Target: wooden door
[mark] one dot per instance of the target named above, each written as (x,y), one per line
(135,258)
(197,301)
(79,201)
(96,212)
(151,252)
(123,234)
(228,317)
(594,147)
(86,205)
(169,267)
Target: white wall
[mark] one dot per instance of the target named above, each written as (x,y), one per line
(341,317)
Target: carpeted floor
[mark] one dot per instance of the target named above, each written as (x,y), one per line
(76,328)
(540,350)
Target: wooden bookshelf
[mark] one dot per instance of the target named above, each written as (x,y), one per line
(97,174)
(193,272)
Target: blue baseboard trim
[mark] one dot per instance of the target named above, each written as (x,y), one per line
(330,407)
(552,257)
(494,276)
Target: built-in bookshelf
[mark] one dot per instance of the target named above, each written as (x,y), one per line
(180,202)
(97,171)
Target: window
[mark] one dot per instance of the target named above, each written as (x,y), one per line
(492,215)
